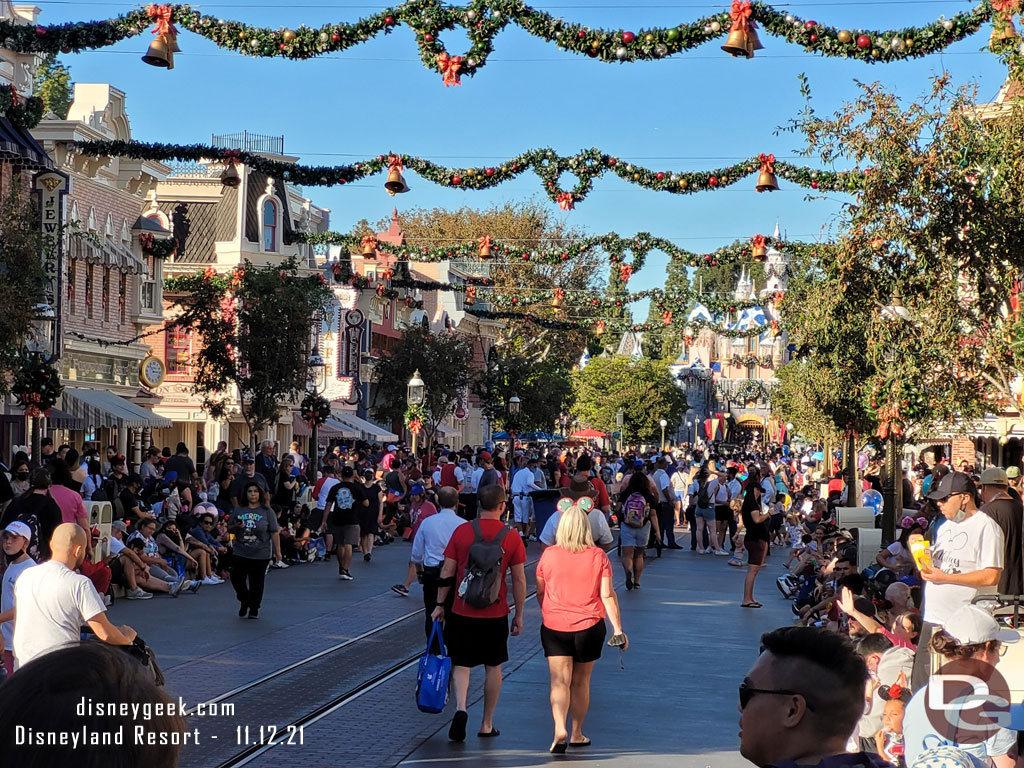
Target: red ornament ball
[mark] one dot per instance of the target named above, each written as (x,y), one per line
(713,181)
(810,24)
(611,161)
(714,263)
(281,46)
(489,171)
(814,185)
(628,37)
(428,37)
(565,257)
(335,37)
(456,179)
(660,175)
(526,257)
(40,31)
(581,34)
(864,42)
(813,37)
(389,20)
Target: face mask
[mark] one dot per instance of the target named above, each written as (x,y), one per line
(22,475)
(464,465)
(960,516)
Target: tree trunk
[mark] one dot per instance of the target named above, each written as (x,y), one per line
(853,486)
(893,490)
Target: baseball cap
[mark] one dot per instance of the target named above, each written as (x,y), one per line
(416,490)
(970,625)
(392,447)
(18,528)
(638,464)
(484,456)
(994,476)
(953,482)
(119,525)
(171,476)
(248,460)
(1013,472)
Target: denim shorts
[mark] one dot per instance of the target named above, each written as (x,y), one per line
(635,537)
(707,514)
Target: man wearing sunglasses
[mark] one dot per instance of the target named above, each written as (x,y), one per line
(800,702)
(967,556)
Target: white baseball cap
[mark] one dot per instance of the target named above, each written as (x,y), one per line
(18,528)
(392,448)
(971,625)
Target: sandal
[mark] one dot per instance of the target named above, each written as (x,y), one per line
(584,743)
(491,733)
(754,604)
(557,748)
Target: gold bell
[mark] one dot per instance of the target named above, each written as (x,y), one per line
(161,53)
(760,252)
(736,44)
(485,251)
(556,302)
(766,182)
(368,251)
(599,328)
(230,177)
(395,185)
(753,44)
(1003,31)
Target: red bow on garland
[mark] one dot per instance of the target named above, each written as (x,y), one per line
(394,163)
(1005,8)
(758,240)
(565,201)
(889,422)
(625,272)
(741,13)
(559,294)
(161,15)
(666,317)
(369,240)
(767,163)
(485,242)
(449,66)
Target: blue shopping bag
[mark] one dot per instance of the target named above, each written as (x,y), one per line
(434,672)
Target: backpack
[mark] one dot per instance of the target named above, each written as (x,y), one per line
(481,583)
(489,477)
(703,497)
(448,476)
(634,511)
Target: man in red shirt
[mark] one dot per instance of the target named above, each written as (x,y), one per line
(476,636)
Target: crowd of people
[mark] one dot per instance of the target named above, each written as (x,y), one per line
(471,515)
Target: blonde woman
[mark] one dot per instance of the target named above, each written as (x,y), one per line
(574,590)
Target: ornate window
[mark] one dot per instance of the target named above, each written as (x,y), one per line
(269,218)
(106,294)
(89,274)
(122,297)
(72,275)
(177,350)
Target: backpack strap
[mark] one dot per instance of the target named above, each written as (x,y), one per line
(500,538)
(477,530)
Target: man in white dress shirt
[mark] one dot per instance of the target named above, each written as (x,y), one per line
(428,550)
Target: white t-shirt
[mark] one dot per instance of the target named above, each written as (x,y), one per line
(722,495)
(965,547)
(919,734)
(325,489)
(661,482)
(7,597)
(116,545)
(53,602)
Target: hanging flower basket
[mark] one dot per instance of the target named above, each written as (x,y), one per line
(315,409)
(37,387)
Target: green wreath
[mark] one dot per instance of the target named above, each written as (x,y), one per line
(415,416)
(22,111)
(315,409)
(37,387)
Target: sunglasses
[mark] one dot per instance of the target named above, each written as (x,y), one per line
(747,692)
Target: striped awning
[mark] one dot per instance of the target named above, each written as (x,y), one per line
(59,419)
(99,408)
(367,429)
(330,428)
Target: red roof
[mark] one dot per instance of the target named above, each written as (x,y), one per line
(587,433)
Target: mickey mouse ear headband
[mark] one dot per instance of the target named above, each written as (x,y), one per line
(898,691)
(585,504)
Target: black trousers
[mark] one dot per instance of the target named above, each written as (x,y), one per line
(467,506)
(431,576)
(248,577)
(666,521)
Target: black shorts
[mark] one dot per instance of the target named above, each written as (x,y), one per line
(775,522)
(472,642)
(316,519)
(583,645)
(757,551)
(723,513)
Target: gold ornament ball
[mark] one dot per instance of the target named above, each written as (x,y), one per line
(288,35)
(683,183)
(595,44)
(845,36)
(909,42)
(636,177)
(649,37)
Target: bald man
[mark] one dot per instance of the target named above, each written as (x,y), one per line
(50,606)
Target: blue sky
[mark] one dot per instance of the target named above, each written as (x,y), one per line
(696,110)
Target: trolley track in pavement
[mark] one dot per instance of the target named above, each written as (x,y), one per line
(284,701)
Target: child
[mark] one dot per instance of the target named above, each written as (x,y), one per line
(889,739)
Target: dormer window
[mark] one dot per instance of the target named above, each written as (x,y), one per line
(269,214)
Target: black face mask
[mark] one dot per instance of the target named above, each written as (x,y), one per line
(22,475)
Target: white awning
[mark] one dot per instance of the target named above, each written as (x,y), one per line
(330,428)
(367,429)
(99,408)
(447,431)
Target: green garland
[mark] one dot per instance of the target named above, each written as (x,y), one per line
(160,248)
(315,409)
(484,19)
(21,111)
(585,165)
(37,386)
(610,324)
(750,390)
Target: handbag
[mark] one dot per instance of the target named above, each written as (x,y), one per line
(434,673)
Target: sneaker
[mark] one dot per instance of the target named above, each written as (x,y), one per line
(210,581)
(345,576)
(367,557)
(722,552)
(194,586)
(400,589)
(279,564)
(785,587)
(629,581)
(709,551)
(138,594)
(176,587)
(108,600)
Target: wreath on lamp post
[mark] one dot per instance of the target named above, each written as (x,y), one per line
(37,387)
(315,409)
(415,416)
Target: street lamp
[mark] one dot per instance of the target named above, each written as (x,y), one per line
(318,381)
(663,424)
(514,404)
(415,396)
(620,419)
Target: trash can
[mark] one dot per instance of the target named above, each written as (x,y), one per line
(544,506)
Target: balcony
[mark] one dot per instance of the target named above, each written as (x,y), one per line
(249,142)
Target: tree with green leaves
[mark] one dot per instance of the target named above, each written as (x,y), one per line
(443,361)
(644,389)
(663,342)
(254,326)
(543,388)
(53,86)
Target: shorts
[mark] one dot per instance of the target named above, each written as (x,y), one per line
(723,513)
(775,522)
(757,551)
(368,522)
(680,496)
(345,534)
(635,537)
(583,645)
(521,508)
(316,519)
(707,514)
(471,642)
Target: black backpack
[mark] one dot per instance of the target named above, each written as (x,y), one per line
(703,497)
(481,583)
